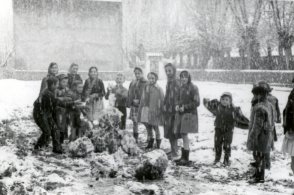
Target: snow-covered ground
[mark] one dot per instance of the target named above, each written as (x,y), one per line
(53,174)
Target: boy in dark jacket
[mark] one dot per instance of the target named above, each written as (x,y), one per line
(260,136)
(48,119)
(226,116)
(63,93)
(121,96)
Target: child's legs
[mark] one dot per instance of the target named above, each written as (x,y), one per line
(157,132)
(185,141)
(123,119)
(149,131)
(218,142)
(228,138)
(292,163)
(55,133)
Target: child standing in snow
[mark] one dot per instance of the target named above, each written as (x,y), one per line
(187,115)
(76,124)
(288,124)
(93,94)
(63,94)
(134,96)
(225,120)
(150,110)
(48,117)
(121,96)
(260,135)
(277,118)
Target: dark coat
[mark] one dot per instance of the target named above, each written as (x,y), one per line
(169,104)
(135,91)
(72,78)
(260,136)
(91,87)
(226,117)
(275,102)
(187,121)
(288,114)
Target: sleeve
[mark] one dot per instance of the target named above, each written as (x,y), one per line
(195,100)
(130,96)
(43,86)
(85,89)
(259,120)
(161,98)
(211,105)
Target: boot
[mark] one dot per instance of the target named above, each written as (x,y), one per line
(182,157)
(150,144)
(253,164)
(226,160)
(258,177)
(185,161)
(158,142)
(136,136)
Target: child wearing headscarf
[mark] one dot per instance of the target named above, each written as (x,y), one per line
(187,115)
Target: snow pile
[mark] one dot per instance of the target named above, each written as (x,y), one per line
(153,165)
(8,162)
(104,165)
(128,143)
(139,188)
(105,133)
(81,147)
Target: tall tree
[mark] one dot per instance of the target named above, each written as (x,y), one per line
(247,24)
(283,15)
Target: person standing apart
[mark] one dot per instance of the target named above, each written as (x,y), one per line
(261,127)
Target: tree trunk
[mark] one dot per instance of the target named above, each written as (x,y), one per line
(281,64)
(288,55)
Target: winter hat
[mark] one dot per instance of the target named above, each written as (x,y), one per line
(260,88)
(62,76)
(227,94)
(265,84)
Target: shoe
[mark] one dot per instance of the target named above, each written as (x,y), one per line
(150,144)
(253,164)
(258,177)
(182,157)
(226,161)
(185,160)
(158,142)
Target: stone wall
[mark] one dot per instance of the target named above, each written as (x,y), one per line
(64,31)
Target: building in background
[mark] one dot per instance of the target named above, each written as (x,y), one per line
(87,32)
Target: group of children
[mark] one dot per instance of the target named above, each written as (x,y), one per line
(60,106)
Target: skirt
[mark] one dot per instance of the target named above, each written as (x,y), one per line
(95,109)
(288,144)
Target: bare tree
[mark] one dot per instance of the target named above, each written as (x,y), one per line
(283,15)
(247,24)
